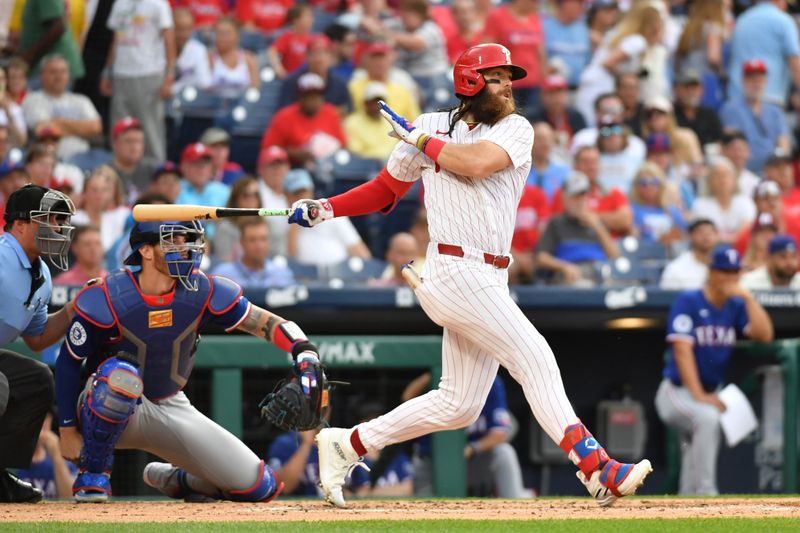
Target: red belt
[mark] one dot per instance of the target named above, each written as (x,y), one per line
(497,261)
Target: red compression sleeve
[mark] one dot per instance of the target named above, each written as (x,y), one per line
(380,194)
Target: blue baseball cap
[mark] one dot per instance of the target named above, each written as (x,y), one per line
(782,243)
(7,167)
(726,258)
(297,180)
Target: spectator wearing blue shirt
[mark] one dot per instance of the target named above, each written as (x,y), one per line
(547,173)
(319,60)
(255,270)
(655,219)
(198,188)
(343,48)
(566,37)
(37,223)
(766,32)
(763,123)
(293,457)
(702,329)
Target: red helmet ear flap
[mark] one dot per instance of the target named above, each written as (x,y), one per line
(470,82)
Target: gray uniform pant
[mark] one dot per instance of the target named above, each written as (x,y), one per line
(177,432)
(698,425)
(139,98)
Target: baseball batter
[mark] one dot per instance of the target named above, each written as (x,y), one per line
(137,333)
(473,161)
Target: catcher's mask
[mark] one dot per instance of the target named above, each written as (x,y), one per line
(52,211)
(183,244)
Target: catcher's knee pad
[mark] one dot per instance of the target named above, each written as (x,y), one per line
(115,391)
(266,487)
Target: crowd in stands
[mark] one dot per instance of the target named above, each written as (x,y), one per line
(662,128)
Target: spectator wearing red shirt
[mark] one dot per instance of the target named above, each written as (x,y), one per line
(460,24)
(518,27)
(611,206)
(768,199)
(262,15)
(205,12)
(309,129)
(288,51)
(532,214)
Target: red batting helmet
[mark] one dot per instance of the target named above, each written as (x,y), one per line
(467,70)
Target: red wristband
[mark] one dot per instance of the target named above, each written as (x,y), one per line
(280,339)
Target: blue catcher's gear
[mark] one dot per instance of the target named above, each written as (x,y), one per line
(162,335)
(111,400)
(266,488)
(183,244)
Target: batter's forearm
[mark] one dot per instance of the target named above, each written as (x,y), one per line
(479,160)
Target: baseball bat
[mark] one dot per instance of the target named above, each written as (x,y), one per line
(156,213)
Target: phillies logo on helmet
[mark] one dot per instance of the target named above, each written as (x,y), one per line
(467,76)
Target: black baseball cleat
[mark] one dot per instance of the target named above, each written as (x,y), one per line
(14,490)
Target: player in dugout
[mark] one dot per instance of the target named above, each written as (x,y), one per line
(136,332)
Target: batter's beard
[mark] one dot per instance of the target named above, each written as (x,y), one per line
(488,108)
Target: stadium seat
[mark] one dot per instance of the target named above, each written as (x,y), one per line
(624,272)
(254,41)
(354,270)
(194,111)
(88,161)
(437,92)
(303,273)
(322,19)
(344,170)
(643,250)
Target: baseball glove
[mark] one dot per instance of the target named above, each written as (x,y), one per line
(299,403)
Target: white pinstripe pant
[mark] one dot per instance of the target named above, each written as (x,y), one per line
(483,328)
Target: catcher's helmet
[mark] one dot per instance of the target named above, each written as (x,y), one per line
(467,75)
(182,257)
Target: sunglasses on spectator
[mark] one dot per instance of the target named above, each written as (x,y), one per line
(648,181)
(653,112)
(607,131)
(612,110)
(250,194)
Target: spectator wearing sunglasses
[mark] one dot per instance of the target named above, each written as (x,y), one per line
(619,161)
(655,215)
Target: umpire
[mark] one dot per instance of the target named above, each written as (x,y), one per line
(37,223)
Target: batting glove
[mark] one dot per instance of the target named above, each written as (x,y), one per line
(309,213)
(402,129)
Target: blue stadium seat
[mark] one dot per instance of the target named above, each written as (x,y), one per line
(254,41)
(643,250)
(625,272)
(88,161)
(344,170)
(437,92)
(303,272)
(354,270)
(322,19)
(194,111)
(251,113)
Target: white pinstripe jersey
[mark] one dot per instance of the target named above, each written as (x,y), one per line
(470,212)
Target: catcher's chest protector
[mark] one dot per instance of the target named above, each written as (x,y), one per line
(162,337)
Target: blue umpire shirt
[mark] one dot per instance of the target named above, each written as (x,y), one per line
(16,317)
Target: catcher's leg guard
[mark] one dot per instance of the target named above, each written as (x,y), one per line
(111,400)
(266,488)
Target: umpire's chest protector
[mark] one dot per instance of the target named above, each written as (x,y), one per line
(161,333)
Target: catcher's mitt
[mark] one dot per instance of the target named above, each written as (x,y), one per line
(301,402)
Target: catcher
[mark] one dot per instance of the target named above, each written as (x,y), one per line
(136,332)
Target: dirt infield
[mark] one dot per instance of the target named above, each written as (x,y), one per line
(296,510)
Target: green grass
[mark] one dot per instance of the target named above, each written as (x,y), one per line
(705,525)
